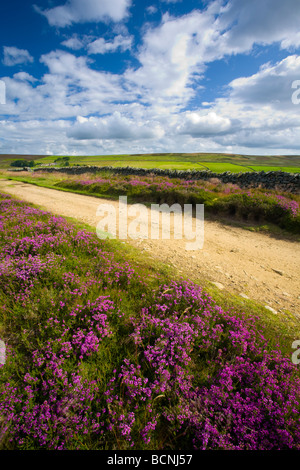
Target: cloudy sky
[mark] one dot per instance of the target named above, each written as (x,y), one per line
(92,77)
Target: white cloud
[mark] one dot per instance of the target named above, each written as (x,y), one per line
(79,11)
(291,42)
(251,116)
(15,56)
(271,86)
(24,76)
(151,9)
(115,126)
(246,23)
(81,83)
(174,55)
(34,137)
(171,56)
(201,125)
(70,88)
(260,141)
(74,42)
(100,46)
(145,108)
(261,109)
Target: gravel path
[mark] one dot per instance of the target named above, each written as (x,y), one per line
(251,264)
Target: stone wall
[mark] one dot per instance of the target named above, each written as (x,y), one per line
(270,180)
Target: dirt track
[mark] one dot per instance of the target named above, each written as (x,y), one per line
(252,264)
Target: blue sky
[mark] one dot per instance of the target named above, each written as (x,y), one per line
(88,77)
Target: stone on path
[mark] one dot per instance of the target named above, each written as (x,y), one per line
(244,295)
(271,309)
(277,271)
(218,285)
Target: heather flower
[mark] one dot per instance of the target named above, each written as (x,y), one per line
(182,367)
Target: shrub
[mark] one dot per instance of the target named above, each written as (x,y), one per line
(23,163)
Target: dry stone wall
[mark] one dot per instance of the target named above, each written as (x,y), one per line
(270,180)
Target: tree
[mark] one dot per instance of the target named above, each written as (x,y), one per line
(62,161)
(22,163)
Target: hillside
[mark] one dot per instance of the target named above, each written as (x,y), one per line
(217,162)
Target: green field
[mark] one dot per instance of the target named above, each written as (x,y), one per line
(180,161)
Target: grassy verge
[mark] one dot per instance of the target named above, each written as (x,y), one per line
(256,209)
(280,330)
(107,350)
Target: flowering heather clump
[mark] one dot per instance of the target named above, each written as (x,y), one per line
(99,356)
(53,404)
(249,405)
(290,206)
(116,184)
(244,406)
(231,189)
(281,209)
(280,203)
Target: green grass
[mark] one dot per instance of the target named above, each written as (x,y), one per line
(280,330)
(219,167)
(150,164)
(181,161)
(275,168)
(43,324)
(51,182)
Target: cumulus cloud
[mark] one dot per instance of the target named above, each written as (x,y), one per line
(14,56)
(145,108)
(24,76)
(263,140)
(70,88)
(291,42)
(33,136)
(151,9)
(247,23)
(81,85)
(74,42)
(100,46)
(201,125)
(121,42)
(261,108)
(174,55)
(78,11)
(270,86)
(114,126)
(170,58)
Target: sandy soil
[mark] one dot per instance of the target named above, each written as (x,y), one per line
(251,264)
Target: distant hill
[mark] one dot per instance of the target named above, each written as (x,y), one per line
(216,162)
(6,159)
